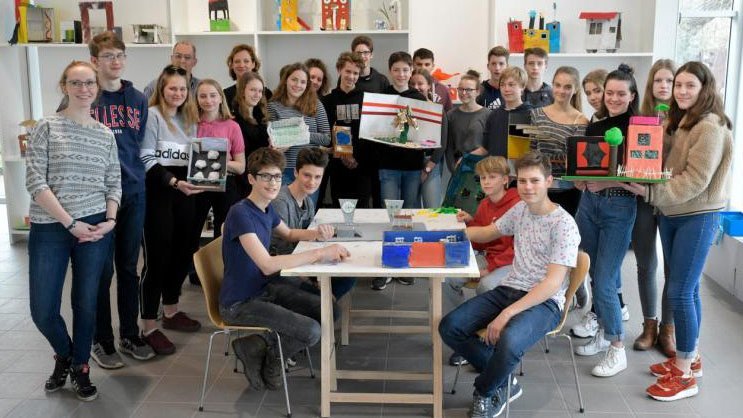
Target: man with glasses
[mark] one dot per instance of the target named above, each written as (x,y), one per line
(184,56)
(370,79)
(252,294)
(123,109)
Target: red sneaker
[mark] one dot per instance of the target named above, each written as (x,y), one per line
(181,322)
(672,388)
(159,342)
(669,366)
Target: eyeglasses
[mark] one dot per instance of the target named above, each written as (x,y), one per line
(467,91)
(110,57)
(364,52)
(183,57)
(266,177)
(77,84)
(174,69)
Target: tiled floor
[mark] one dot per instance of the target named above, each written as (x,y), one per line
(169,386)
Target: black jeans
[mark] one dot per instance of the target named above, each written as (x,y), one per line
(285,308)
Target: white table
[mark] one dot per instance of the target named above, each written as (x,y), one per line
(365,261)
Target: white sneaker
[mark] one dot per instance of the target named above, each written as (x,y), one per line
(597,344)
(613,362)
(587,327)
(625,313)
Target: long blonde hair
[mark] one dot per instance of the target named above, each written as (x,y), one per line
(224,110)
(648,100)
(187,109)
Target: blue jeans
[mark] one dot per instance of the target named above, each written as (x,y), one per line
(459,329)
(431,189)
(127,241)
(644,235)
(50,249)
(287,177)
(686,241)
(605,226)
(401,184)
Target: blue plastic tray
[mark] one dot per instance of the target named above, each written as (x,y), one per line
(396,247)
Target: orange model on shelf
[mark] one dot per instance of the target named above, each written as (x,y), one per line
(336,15)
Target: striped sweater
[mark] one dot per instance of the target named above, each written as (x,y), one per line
(318,125)
(553,137)
(78,163)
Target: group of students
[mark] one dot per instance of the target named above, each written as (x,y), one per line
(134,154)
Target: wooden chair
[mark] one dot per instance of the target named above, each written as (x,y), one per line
(210,268)
(577,277)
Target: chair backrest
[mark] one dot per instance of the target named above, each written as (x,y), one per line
(577,276)
(210,268)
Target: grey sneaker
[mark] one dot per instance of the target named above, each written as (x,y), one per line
(407,281)
(380,283)
(136,347)
(483,406)
(105,355)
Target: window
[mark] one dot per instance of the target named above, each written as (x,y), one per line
(595,28)
(704,33)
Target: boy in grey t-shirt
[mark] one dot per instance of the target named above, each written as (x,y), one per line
(528,303)
(296,208)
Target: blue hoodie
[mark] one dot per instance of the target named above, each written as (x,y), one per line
(125,113)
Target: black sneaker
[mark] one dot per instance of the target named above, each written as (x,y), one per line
(251,351)
(80,377)
(136,347)
(380,283)
(457,359)
(271,371)
(59,375)
(407,281)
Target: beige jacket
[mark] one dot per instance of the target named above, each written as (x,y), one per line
(700,160)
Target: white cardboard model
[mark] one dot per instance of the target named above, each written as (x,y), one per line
(378,115)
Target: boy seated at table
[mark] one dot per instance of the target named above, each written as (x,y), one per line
(296,208)
(494,257)
(250,295)
(527,303)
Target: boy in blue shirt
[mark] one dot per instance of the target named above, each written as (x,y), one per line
(250,295)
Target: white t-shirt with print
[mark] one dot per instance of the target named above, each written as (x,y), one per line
(539,240)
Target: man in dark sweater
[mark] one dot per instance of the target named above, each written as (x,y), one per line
(370,79)
(123,109)
(495,136)
(399,168)
(350,176)
(490,96)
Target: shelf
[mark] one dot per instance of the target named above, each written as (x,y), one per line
(333,32)
(591,54)
(207,33)
(72,45)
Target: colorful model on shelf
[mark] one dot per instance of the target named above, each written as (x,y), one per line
(85,7)
(36,24)
(545,36)
(216,24)
(336,15)
(288,19)
(603,30)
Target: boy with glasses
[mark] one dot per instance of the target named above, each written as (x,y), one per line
(184,56)
(370,79)
(251,293)
(123,109)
